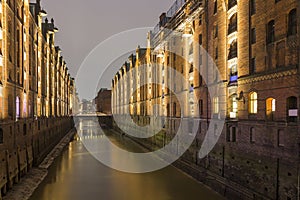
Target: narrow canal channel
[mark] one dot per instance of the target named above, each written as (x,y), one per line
(77,175)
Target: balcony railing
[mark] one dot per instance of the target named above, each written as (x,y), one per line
(177,16)
(175,7)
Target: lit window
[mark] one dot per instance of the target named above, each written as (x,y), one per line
(253,103)
(233,106)
(273,105)
(232,27)
(270,108)
(216,105)
(25,104)
(233,53)
(17,107)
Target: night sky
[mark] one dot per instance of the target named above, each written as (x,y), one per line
(84,24)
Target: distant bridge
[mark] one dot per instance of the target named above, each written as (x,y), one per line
(105,120)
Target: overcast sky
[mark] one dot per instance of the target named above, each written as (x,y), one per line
(83,24)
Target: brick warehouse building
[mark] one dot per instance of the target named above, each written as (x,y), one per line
(255,45)
(36,91)
(103,101)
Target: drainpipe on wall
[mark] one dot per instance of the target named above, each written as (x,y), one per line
(207,57)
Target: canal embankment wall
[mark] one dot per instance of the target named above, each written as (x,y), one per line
(189,164)
(26,142)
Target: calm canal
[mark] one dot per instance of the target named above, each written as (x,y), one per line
(77,175)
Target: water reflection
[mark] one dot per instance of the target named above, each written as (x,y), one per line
(76,175)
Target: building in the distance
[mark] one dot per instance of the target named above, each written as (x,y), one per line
(254,83)
(35,89)
(103,101)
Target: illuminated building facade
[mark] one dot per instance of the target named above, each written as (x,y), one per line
(255,46)
(36,90)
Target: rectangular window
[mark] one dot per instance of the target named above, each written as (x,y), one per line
(253,103)
(216,7)
(233,134)
(253,36)
(1,136)
(200,39)
(200,20)
(216,105)
(280,138)
(252,135)
(270,32)
(174,109)
(292,22)
(201,107)
(228,139)
(216,53)
(280,54)
(252,66)
(216,31)
(252,7)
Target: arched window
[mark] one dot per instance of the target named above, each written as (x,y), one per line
(270,108)
(232,24)
(271,32)
(253,103)
(233,53)
(292,109)
(292,22)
